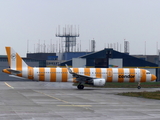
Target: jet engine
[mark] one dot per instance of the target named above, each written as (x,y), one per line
(99,82)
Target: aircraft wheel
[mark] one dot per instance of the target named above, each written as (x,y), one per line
(80,87)
(139,87)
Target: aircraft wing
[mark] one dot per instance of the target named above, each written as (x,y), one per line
(79,77)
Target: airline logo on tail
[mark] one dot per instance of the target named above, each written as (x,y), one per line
(90,76)
(17,65)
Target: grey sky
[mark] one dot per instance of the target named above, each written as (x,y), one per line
(107,21)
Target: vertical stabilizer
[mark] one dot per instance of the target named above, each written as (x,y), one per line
(14,60)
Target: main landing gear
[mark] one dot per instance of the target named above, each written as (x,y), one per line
(80,87)
(139,87)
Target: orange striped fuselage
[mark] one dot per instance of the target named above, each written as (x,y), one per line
(19,68)
(109,74)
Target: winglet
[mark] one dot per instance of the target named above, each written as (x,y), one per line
(69,69)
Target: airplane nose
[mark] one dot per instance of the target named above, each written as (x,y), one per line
(153,77)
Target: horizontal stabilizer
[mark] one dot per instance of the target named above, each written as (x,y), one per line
(14,71)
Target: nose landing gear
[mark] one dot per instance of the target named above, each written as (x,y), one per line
(139,87)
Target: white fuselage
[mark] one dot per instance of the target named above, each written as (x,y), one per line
(109,74)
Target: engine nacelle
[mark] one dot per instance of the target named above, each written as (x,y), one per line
(99,82)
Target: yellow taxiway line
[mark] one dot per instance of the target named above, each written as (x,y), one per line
(52,97)
(9,85)
(76,105)
(69,104)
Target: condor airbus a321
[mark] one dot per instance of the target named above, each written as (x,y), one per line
(91,76)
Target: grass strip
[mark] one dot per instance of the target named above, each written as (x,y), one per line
(150,95)
(127,85)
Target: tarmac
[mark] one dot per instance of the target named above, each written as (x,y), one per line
(62,101)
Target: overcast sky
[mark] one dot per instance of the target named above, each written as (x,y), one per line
(107,21)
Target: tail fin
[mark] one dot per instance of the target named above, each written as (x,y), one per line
(14,60)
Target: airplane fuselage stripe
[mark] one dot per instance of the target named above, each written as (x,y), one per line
(64,74)
(143,76)
(41,74)
(58,75)
(98,73)
(87,71)
(120,75)
(30,72)
(132,73)
(109,74)
(75,70)
(53,75)
(47,74)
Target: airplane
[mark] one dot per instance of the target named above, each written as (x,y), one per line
(90,76)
